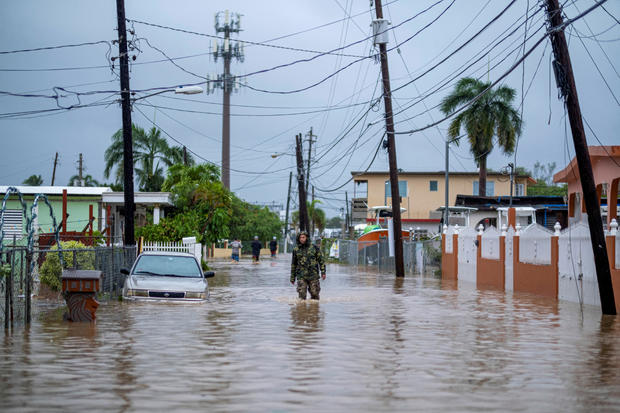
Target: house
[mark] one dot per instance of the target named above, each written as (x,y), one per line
(545,210)
(86,209)
(422,193)
(606,169)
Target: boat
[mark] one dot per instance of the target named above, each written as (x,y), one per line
(375,232)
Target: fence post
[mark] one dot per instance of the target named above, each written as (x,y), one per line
(6,296)
(28,287)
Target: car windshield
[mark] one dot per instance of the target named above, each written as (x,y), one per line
(168,265)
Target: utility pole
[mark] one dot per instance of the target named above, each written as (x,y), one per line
(226,23)
(566,84)
(310,136)
(512,181)
(185,156)
(80,170)
(288,203)
(446,212)
(127,139)
(303,207)
(54,170)
(346,211)
(381,38)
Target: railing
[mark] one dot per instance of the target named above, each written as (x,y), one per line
(420,257)
(16,281)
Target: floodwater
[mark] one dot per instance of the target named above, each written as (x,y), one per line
(370,344)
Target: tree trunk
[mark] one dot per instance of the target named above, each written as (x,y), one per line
(482,179)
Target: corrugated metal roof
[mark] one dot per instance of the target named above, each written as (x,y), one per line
(57,190)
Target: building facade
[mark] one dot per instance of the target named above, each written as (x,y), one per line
(422,193)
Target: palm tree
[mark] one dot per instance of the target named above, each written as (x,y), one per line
(87,180)
(150,151)
(491,115)
(33,180)
(316,215)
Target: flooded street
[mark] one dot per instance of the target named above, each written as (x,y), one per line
(371,344)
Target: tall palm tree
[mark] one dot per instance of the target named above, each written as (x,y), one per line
(33,180)
(490,116)
(151,154)
(87,180)
(316,215)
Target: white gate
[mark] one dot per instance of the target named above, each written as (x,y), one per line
(467,255)
(165,246)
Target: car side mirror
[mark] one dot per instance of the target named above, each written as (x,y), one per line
(209,274)
(124,271)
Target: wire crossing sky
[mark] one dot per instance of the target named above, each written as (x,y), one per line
(309,64)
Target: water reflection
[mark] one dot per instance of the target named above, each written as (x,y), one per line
(373,343)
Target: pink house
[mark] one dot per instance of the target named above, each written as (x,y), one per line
(606,168)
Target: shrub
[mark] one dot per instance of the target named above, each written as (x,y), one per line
(51,270)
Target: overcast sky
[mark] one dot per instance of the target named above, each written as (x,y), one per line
(269,121)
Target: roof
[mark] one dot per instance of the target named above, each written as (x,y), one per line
(357,174)
(57,190)
(571,172)
(495,202)
(162,198)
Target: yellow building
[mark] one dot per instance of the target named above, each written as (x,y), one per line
(423,192)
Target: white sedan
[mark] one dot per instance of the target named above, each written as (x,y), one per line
(166,276)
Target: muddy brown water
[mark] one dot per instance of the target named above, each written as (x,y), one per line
(370,344)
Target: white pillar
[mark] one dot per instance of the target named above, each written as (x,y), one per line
(156,215)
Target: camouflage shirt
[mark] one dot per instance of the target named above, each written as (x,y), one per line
(306,262)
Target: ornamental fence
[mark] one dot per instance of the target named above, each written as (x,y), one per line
(420,257)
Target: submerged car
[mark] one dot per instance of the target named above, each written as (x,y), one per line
(166,276)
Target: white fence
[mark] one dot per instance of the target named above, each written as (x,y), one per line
(577,272)
(535,245)
(490,243)
(467,257)
(510,233)
(194,249)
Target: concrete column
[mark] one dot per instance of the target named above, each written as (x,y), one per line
(156,215)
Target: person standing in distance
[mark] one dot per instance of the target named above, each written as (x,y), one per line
(256,246)
(305,265)
(273,247)
(236,249)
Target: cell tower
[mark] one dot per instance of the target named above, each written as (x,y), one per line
(227,23)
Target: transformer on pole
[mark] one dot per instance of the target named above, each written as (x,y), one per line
(226,23)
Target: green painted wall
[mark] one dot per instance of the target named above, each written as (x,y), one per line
(77,208)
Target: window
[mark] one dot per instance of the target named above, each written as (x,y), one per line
(402,189)
(490,188)
(13,223)
(520,190)
(433,186)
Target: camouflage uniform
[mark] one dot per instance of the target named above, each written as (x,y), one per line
(305,265)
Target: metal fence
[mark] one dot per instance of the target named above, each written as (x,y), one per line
(420,257)
(18,285)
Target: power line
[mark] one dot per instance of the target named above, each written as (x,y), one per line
(37,49)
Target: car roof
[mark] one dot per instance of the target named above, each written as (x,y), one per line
(169,253)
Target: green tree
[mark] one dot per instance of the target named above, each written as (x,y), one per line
(151,154)
(491,115)
(203,206)
(88,180)
(316,216)
(334,222)
(33,180)
(249,220)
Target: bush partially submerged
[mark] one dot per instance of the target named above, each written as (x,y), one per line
(51,269)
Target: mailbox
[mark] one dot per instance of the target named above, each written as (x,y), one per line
(79,288)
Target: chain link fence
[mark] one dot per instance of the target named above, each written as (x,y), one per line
(420,257)
(18,285)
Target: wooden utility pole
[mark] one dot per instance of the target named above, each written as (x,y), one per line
(446,212)
(346,210)
(303,208)
(54,170)
(288,203)
(310,136)
(185,156)
(226,118)
(568,90)
(399,266)
(80,170)
(129,205)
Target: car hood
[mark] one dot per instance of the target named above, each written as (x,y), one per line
(155,283)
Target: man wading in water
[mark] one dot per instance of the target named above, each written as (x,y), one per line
(307,259)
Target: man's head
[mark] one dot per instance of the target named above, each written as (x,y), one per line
(303,237)
(274,238)
(256,237)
